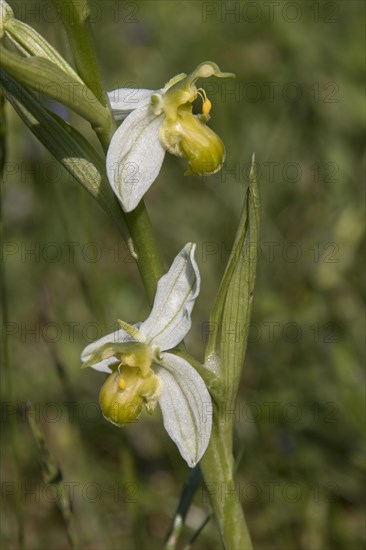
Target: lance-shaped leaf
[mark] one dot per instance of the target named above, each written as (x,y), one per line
(68,146)
(230,317)
(30,42)
(48,79)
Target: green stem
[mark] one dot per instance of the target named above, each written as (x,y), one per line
(217,466)
(148,257)
(75,15)
(76,20)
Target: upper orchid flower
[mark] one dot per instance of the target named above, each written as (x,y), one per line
(142,372)
(161,121)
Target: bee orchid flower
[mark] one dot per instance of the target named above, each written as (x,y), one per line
(142,372)
(156,122)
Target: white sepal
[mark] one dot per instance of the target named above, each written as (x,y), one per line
(170,317)
(135,156)
(186,407)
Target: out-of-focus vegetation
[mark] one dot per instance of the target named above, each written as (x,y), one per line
(298,103)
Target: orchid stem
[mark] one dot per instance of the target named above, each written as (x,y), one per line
(149,259)
(75,16)
(76,20)
(217,470)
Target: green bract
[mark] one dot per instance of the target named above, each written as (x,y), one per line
(230,317)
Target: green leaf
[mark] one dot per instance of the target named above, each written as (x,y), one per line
(48,79)
(32,43)
(68,146)
(229,321)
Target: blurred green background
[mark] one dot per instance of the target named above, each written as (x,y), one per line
(297,102)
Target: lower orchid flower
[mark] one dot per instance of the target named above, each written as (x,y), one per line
(143,373)
(160,121)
